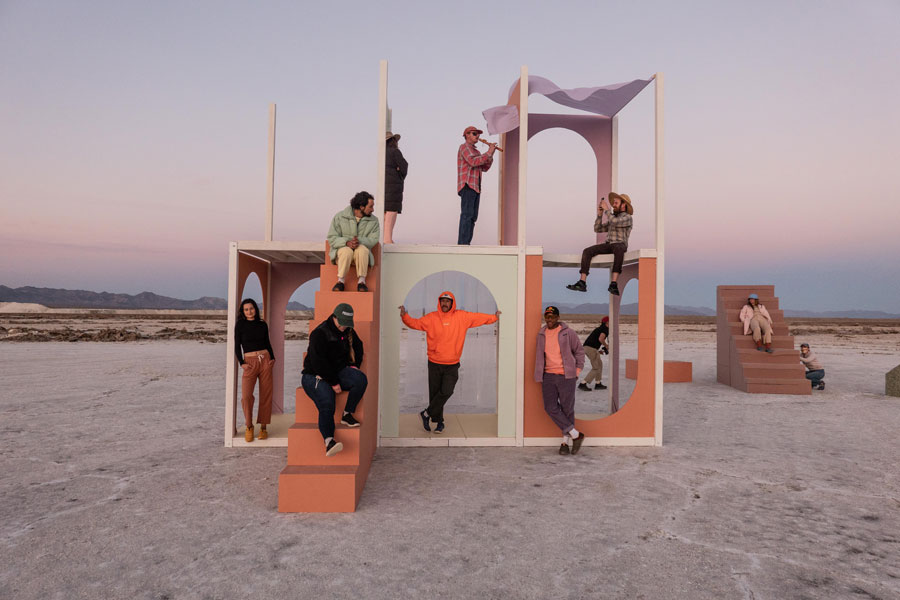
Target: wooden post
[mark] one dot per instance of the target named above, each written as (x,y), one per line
(270,194)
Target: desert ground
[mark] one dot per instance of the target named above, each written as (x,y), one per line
(116,484)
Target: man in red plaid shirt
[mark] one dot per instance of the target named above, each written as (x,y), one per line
(470,163)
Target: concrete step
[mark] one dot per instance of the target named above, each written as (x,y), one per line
(742,291)
(773,371)
(778,341)
(779,356)
(737,329)
(319,488)
(778,386)
(733,315)
(328,273)
(363,304)
(306,447)
(739,303)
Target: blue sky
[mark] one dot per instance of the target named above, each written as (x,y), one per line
(134,134)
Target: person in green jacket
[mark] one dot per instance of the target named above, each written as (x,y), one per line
(353,233)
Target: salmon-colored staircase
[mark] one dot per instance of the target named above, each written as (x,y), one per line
(311,481)
(739,364)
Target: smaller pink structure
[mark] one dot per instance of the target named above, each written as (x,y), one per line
(674,371)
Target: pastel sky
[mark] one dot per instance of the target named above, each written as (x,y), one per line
(133,135)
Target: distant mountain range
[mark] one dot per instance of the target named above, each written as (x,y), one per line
(702,311)
(60,298)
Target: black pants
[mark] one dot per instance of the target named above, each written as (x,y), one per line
(617,250)
(441,383)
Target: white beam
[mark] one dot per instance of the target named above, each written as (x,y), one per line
(660,259)
(230,369)
(384,117)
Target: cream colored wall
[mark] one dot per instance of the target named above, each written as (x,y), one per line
(401,271)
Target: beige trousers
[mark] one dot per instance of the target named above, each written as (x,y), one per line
(360,257)
(596,371)
(761,324)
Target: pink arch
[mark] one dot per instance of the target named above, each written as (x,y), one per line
(596,131)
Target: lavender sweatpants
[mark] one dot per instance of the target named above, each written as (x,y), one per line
(559,400)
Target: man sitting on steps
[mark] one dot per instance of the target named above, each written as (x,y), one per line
(332,366)
(353,233)
(616,221)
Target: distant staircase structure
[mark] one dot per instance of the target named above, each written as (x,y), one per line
(311,481)
(739,364)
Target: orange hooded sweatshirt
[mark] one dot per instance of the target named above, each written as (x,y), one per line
(445,332)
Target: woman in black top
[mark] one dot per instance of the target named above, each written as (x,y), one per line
(395,168)
(252,335)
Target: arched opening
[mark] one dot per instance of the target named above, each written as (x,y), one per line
(297,325)
(597,403)
(472,409)
(562,191)
(252,289)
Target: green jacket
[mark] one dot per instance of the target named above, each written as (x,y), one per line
(344,228)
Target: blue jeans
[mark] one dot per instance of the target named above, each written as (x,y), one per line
(468,214)
(815,377)
(352,380)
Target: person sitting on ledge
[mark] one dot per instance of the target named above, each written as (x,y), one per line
(353,233)
(331,366)
(616,221)
(594,346)
(756,318)
(815,372)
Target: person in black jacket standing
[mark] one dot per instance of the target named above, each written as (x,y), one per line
(252,335)
(595,345)
(395,168)
(331,366)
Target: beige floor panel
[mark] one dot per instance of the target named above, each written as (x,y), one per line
(478,426)
(455,426)
(278,432)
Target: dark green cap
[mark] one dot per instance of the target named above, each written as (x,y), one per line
(343,312)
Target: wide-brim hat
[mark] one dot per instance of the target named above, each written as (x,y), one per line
(472,128)
(388,135)
(624,198)
(343,312)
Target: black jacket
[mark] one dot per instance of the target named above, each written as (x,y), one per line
(593,340)
(395,169)
(329,351)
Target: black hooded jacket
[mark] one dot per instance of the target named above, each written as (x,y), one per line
(329,351)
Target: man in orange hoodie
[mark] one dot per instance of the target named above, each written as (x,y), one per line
(445,334)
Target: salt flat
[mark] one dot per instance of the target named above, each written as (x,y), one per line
(116,485)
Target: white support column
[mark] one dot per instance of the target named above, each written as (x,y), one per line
(614,171)
(384,117)
(522,203)
(523,155)
(230,369)
(660,256)
(270,194)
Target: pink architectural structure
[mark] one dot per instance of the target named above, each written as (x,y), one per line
(312,483)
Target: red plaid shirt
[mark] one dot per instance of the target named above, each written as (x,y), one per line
(469,165)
